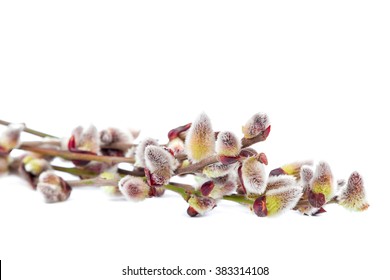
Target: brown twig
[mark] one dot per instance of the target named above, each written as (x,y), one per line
(75,156)
(31,131)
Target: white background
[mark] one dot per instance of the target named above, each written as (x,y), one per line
(319,69)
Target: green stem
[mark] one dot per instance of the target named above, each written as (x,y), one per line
(183,190)
(31,131)
(239,199)
(76,156)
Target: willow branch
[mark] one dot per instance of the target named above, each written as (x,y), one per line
(75,156)
(46,142)
(74,171)
(94,182)
(30,130)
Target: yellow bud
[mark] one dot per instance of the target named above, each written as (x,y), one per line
(322,182)
(282,199)
(200,140)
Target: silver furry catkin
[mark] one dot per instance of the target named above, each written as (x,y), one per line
(256,125)
(53,188)
(353,196)
(140,151)
(133,188)
(160,163)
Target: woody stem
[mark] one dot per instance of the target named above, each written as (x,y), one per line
(30,130)
(94,182)
(74,171)
(76,156)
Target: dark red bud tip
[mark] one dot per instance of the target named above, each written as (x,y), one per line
(151,179)
(263,158)
(192,212)
(148,176)
(266,132)
(247,152)
(277,172)
(156,191)
(228,160)
(207,188)
(169,151)
(71,143)
(216,133)
(320,211)
(242,187)
(174,133)
(316,199)
(152,191)
(260,206)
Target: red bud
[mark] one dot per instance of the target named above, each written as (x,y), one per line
(72,143)
(248,152)
(316,199)
(72,148)
(207,188)
(228,160)
(320,211)
(174,133)
(152,191)
(260,206)
(241,180)
(277,172)
(263,158)
(266,132)
(192,212)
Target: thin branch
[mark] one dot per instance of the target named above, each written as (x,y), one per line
(195,167)
(94,182)
(76,156)
(49,142)
(74,171)
(136,172)
(119,146)
(30,130)
(239,199)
